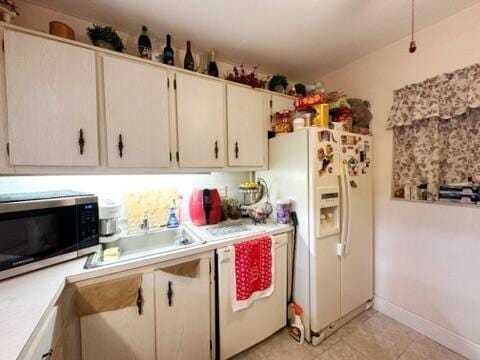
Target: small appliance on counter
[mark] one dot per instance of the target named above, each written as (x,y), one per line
(108,214)
(44,228)
(205,207)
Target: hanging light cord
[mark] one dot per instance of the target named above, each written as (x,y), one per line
(413,46)
(413,17)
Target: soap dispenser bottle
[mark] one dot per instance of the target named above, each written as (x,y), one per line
(172,221)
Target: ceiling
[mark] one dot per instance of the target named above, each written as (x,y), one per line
(300,38)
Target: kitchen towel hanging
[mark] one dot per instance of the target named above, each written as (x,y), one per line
(252,269)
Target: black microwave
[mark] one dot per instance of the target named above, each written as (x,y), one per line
(42,229)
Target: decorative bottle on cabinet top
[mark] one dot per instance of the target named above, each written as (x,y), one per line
(189,63)
(144,44)
(212,66)
(168,52)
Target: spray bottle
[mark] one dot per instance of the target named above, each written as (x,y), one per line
(297,330)
(172,221)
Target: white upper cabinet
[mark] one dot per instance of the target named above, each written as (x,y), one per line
(51,102)
(280,103)
(247,134)
(137,114)
(201,121)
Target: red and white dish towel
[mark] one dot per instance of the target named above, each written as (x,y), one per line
(252,268)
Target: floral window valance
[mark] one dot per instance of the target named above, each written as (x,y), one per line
(436,126)
(444,96)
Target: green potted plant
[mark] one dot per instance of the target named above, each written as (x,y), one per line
(105,37)
(278,83)
(300,89)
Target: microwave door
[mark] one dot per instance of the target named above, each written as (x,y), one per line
(35,235)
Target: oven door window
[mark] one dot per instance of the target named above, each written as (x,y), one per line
(37,234)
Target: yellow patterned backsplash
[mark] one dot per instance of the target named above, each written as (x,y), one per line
(156,202)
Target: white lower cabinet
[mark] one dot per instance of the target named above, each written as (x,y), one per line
(175,321)
(47,343)
(183,316)
(122,334)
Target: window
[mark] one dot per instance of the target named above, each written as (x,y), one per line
(436,128)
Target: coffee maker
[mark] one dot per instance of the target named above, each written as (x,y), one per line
(108,213)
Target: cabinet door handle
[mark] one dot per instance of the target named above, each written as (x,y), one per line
(169,293)
(216,149)
(81,141)
(236,149)
(140,301)
(120,145)
(47,355)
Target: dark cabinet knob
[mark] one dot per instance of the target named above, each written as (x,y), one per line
(140,301)
(236,150)
(120,145)
(216,149)
(169,293)
(81,141)
(47,355)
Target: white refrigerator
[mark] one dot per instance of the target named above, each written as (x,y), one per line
(328,176)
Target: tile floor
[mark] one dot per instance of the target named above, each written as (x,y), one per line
(370,336)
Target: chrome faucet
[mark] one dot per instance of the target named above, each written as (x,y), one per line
(144,224)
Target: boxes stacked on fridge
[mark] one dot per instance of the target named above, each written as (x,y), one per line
(456,193)
(466,194)
(331,110)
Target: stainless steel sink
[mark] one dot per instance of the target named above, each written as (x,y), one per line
(140,245)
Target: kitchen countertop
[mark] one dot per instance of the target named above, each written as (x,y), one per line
(25,299)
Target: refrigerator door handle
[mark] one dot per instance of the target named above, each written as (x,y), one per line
(352,184)
(341,247)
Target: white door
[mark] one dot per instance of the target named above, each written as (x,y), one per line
(183,317)
(201,121)
(122,334)
(51,101)
(247,134)
(241,329)
(357,261)
(137,116)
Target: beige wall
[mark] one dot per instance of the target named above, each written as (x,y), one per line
(427,257)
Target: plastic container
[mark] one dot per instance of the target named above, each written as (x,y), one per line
(298,124)
(284,207)
(297,330)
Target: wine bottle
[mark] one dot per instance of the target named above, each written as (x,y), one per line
(144,44)
(188,63)
(212,66)
(168,52)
